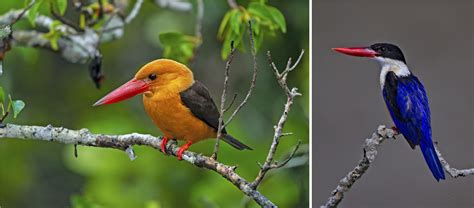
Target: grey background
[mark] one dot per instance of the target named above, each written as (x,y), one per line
(437,40)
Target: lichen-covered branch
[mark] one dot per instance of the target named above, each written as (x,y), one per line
(124,143)
(134,12)
(77,45)
(370,152)
(291,94)
(453,172)
(177,5)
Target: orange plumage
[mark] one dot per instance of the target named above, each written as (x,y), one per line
(177,104)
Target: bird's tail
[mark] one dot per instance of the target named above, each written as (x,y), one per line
(235,143)
(432,160)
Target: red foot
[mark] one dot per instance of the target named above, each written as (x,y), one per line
(163,144)
(183,148)
(395,129)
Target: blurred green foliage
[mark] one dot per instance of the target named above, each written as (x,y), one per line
(178,46)
(42,174)
(233,27)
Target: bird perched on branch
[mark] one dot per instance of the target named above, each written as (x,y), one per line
(180,106)
(405,98)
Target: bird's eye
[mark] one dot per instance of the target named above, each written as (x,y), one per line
(152,76)
(384,49)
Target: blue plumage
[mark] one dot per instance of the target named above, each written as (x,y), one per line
(405,97)
(408,105)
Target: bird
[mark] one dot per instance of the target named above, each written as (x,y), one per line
(180,106)
(405,98)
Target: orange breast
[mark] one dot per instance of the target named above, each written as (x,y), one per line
(175,120)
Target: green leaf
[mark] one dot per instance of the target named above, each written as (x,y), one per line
(33,12)
(224,22)
(178,46)
(260,10)
(225,51)
(235,22)
(2,95)
(17,105)
(54,34)
(278,18)
(62,6)
(232,36)
(256,27)
(258,41)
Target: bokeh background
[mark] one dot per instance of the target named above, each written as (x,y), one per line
(41,174)
(437,40)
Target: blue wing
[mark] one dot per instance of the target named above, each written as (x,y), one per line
(408,105)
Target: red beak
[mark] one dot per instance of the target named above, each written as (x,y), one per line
(358,51)
(127,90)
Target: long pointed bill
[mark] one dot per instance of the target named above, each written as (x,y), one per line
(127,90)
(357,51)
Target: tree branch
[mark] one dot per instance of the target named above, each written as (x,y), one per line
(223,98)
(124,142)
(223,124)
(453,172)
(370,152)
(269,163)
(253,82)
(199,18)
(175,5)
(134,12)
(232,4)
(23,12)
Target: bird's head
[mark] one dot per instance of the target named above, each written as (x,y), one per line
(382,52)
(159,76)
(388,55)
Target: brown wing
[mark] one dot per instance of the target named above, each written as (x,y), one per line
(199,101)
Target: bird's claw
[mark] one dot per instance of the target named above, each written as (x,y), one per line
(395,129)
(182,149)
(163,145)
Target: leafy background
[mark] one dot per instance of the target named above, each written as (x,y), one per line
(40,174)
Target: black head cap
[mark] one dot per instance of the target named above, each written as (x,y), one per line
(388,50)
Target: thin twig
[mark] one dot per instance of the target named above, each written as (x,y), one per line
(134,12)
(199,18)
(232,4)
(101,9)
(292,154)
(123,142)
(269,163)
(65,21)
(4,117)
(281,77)
(231,102)
(23,12)
(223,98)
(254,77)
(453,172)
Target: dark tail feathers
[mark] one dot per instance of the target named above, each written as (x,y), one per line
(235,143)
(432,160)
